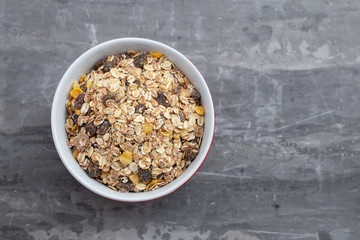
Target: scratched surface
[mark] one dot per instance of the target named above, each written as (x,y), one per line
(285,80)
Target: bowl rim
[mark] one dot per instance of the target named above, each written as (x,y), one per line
(58,95)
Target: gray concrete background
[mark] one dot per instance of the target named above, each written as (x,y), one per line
(285,161)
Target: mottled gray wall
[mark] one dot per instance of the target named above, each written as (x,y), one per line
(284,75)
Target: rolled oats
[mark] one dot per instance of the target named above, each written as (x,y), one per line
(135,122)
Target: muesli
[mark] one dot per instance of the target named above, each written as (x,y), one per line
(135,122)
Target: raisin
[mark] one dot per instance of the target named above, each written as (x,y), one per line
(99,64)
(127,55)
(78,102)
(176,90)
(125,187)
(182,117)
(103,128)
(162,100)
(83,86)
(108,96)
(137,82)
(140,108)
(93,170)
(139,60)
(90,129)
(190,154)
(145,175)
(108,66)
(75,117)
(196,96)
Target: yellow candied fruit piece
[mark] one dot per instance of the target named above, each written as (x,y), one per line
(166,134)
(74,128)
(75,153)
(82,79)
(126,158)
(104,174)
(76,85)
(147,127)
(134,178)
(153,182)
(78,112)
(200,110)
(156,54)
(89,83)
(75,92)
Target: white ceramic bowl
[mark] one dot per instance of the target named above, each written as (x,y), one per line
(83,65)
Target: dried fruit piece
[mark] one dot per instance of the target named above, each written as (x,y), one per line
(75,117)
(162,100)
(99,64)
(196,96)
(139,60)
(93,170)
(78,112)
(103,127)
(82,79)
(147,127)
(145,175)
(190,154)
(75,85)
(107,97)
(200,110)
(124,187)
(156,54)
(126,158)
(75,92)
(134,178)
(108,66)
(140,108)
(89,83)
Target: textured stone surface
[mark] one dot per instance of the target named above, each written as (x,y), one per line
(285,81)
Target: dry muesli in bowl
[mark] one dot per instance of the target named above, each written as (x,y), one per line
(134,120)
